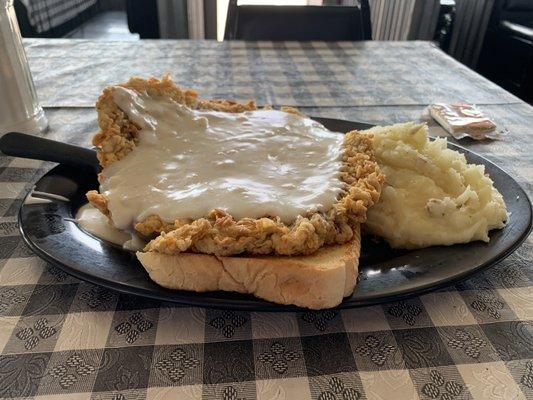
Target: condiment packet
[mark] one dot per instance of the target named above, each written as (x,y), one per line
(464,120)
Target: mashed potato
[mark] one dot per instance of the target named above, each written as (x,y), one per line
(431,195)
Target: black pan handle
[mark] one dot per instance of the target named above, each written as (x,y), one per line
(27,146)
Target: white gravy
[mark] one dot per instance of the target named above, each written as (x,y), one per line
(94,222)
(251,164)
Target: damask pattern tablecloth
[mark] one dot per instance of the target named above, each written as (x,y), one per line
(61,338)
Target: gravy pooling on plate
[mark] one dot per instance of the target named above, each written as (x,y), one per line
(97,224)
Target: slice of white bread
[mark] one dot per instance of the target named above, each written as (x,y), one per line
(316,281)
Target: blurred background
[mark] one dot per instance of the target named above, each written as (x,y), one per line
(493,37)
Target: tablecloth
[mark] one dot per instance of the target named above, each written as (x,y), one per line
(289,73)
(61,338)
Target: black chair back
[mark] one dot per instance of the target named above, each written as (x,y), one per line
(301,23)
(142,18)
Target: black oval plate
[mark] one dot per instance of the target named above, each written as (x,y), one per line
(385,274)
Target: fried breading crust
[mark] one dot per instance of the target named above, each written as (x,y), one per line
(218,233)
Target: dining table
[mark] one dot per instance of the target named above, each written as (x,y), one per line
(62,338)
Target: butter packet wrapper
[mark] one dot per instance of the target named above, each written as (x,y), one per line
(464,120)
